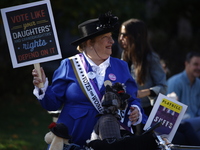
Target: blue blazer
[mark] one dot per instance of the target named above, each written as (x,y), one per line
(78,113)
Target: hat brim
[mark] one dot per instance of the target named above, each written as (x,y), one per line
(95,34)
(59,134)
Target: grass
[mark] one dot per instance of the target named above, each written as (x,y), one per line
(24,123)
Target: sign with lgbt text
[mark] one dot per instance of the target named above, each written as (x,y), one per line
(31,33)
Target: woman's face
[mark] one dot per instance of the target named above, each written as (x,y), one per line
(103,45)
(123,38)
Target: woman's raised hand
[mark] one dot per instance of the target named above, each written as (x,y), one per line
(36,78)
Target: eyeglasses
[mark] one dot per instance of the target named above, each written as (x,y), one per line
(123,34)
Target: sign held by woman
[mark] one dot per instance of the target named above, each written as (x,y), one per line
(31,33)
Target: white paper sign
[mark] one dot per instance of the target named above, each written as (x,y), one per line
(170,112)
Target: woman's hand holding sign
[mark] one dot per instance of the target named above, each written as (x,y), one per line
(39,77)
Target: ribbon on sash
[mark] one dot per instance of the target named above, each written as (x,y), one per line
(89,89)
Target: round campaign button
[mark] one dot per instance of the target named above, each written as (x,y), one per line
(91,75)
(112,77)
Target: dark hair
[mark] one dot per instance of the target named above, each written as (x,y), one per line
(137,32)
(192,54)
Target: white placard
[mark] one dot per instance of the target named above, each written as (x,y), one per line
(170,112)
(31,33)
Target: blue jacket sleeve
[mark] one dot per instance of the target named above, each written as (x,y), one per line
(54,95)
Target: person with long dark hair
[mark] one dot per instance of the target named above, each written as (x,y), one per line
(144,64)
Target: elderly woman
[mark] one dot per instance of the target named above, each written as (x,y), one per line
(78,83)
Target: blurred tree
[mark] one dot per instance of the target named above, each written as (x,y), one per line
(174,29)
(68,13)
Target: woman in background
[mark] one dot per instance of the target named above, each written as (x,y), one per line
(144,64)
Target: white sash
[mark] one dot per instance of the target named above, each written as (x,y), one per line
(85,83)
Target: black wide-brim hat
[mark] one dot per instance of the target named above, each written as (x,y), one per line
(95,27)
(60,130)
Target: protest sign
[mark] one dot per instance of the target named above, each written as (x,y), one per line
(31,33)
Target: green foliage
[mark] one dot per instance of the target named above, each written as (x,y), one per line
(24,124)
(68,14)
